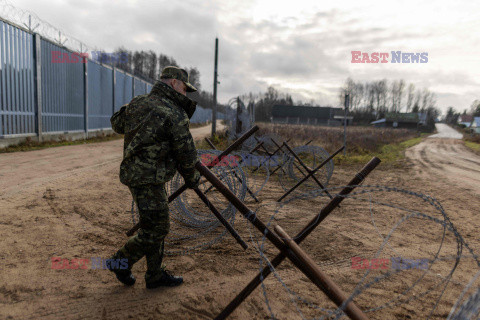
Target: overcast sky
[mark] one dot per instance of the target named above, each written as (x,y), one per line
(300,47)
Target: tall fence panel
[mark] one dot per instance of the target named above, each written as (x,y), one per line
(100,96)
(63,90)
(123,89)
(61,87)
(17,98)
(203,115)
(140,87)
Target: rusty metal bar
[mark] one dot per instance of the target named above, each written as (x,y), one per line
(255,282)
(235,145)
(331,289)
(219,216)
(276,169)
(307,168)
(251,216)
(299,169)
(310,174)
(234,173)
(215,161)
(210,143)
(270,155)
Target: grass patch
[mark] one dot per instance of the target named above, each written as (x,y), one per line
(220,140)
(30,145)
(393,153)
(475,147)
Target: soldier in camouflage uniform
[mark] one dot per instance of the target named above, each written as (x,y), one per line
(157,143)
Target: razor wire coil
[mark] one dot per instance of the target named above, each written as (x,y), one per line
(469,309)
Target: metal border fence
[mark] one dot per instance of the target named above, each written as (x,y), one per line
(41,95)
(17,106)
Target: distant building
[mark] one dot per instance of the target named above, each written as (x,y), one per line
(308,115)
(476,124)
(466,120)
(402,120)
(339,115)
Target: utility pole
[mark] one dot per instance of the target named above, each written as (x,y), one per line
(238,125)
(347,101)
(214,111)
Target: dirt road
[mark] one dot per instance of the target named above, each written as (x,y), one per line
(444,157)
(23,172)
(68,202)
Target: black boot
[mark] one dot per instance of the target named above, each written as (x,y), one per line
(124,276)
(166,280)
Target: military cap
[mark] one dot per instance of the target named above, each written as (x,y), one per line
(172,72)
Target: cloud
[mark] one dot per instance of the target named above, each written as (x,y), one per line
(301,48)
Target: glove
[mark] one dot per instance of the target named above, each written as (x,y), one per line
(194,181)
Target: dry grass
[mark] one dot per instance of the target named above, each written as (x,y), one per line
(29,144)
(360,140)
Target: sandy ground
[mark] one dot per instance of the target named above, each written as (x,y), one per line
(443,157)
(67,202)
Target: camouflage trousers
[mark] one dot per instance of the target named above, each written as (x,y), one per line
(152,204)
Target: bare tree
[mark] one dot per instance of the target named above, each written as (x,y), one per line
(393,96)
(151,65)
(400,91)
(416,101)
(194,77)
(425,99)
(355,92)
(165,61)
(370,91)
(382,95)
(410,96)
(138,62)
(475,108)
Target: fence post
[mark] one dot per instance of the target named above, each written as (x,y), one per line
(38,84)
(347,102)
(85,83)
(113,91)
(133,87)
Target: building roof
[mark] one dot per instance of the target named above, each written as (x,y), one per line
(379,121)
(303,112)
(465,118)
(402,117)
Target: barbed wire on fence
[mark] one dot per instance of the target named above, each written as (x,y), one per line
(34,24)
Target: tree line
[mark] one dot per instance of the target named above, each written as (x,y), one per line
(368,100)
(371,100)
(263,102)
(148,65)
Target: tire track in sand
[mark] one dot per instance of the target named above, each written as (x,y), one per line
(443,156)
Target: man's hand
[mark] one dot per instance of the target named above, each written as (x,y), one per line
(194,182)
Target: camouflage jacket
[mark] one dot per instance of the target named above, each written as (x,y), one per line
(157,137)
